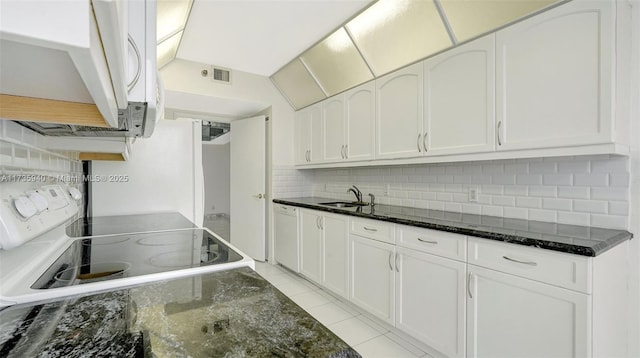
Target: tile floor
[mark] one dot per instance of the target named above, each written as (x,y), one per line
(370,339)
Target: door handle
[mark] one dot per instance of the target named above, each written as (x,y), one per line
(390,265)
(419,149)
(397,266)
(259,196)
(498,134)
(342,152)
(424,141)
(346,151)
(469,284)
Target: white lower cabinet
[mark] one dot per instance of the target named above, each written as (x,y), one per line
(372,276)
(324,244)
(510,316)
(311,245)
(335,246)
(430,300)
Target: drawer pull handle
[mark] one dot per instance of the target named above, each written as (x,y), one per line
(530,263)
(427,241)
(369,229)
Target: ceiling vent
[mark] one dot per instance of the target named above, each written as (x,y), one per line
(216,73)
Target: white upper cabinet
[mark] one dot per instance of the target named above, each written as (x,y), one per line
(459,100)
(360,109)
(333,125)
(555,77)
(308,125)
(399,101)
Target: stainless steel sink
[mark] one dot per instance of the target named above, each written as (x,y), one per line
(345,204)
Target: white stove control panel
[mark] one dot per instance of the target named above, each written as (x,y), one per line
(27,211)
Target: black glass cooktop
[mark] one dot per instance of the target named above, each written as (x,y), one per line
(103,258)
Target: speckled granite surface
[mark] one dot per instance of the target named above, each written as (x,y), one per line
(233,313)
(579,240)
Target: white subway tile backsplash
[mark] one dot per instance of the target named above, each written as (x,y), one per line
(504,200)
(529,179)
(543,215)
(529,202)
(573,190)
(619,208)
(572,218)
(557,179)
(609,221)
(492,210)
(590,206)
(516,213)
(620,194)
(593,179)
(557,204)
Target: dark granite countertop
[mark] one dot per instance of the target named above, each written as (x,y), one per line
(233,313)
(579,240)
(126,224)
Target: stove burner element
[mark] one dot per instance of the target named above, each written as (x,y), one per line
(183,259)
(78,275)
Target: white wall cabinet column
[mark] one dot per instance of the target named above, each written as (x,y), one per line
(311,245)
(399,102)
(510,316)
(335,247)
(555,77)
(308,132)
(360,109)
(459,95)
(373,276)
(333,125)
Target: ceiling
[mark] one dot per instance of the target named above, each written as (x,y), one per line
(260,36)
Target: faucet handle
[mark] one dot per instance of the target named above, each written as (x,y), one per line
(373,199)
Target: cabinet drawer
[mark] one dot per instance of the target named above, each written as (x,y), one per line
(555,268)
(435,242)
(373,229)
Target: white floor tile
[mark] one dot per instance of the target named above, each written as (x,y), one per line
(295,288)
(354,331)
(406,345)
(329,313)
(267,270)
(312,299)
(383,347)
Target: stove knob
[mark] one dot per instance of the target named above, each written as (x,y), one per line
(39,200)
(75,193)
(25,207)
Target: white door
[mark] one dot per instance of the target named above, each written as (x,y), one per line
(247,196)
(509,316)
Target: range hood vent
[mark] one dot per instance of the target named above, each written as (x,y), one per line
(212,130)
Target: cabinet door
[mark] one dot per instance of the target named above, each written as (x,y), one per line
(333,124)
(303,135)
(430,296)
(399,116)
(372,277)
(554,77)
(509,316)
(285,222)
(311,245)
(335,246)
(308,129)
(360,109)
(459,100)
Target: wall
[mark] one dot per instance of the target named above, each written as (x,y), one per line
(246,91)
(22,152)
(215,163)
